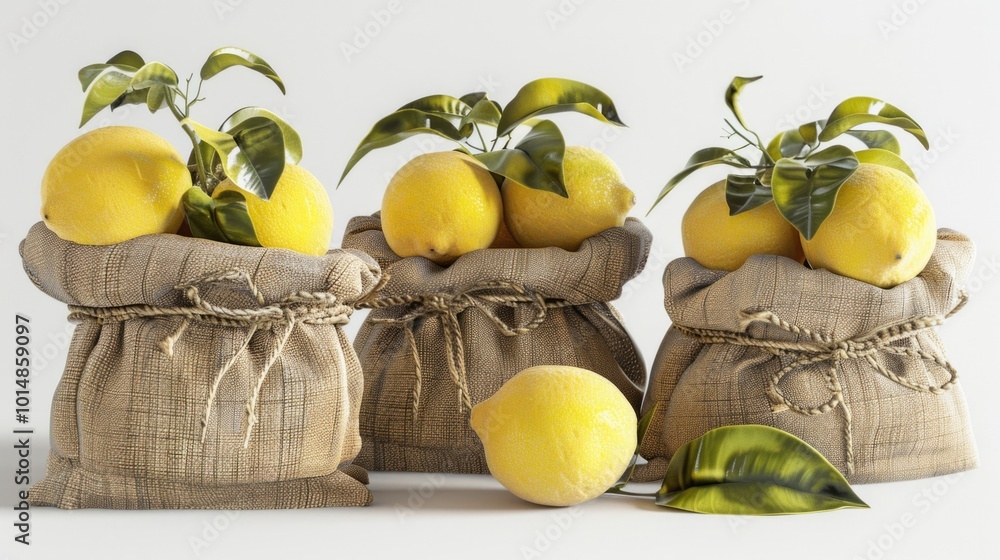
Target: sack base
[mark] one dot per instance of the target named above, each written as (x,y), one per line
(379,456)
(67,485)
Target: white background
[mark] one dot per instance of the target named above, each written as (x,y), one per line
(937,60)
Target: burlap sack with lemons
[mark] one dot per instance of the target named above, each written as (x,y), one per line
(441,339)
(202,375)
(855,370)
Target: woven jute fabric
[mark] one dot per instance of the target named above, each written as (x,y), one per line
(203,375)
(855,370)
(438,340)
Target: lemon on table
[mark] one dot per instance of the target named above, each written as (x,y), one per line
(598,200)
(440,206)
(881,230)
(556,435)
(722,242)
(297,216)
(113,184)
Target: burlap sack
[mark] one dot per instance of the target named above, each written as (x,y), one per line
(855,370)
(202,375)
(441,339)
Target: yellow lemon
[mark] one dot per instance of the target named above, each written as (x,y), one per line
(598,199)
(441,205)
(112,184)
(881,230)
(297,216)
(722,242)
(556,435)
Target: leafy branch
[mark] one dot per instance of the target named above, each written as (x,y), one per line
(252,151)
(250,148)
(796,169)
(745,470)
(534,161)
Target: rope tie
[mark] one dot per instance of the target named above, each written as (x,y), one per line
(446,307)
(817,348)
(311,308)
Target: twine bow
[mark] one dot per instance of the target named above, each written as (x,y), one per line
(314,308)
(447,307)
(818,348)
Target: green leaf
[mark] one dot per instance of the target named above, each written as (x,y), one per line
(89,73)
(788,143)
(150,85)
(486,111)
(293,143)
(222,218)
(444,105)
(885,158)
(809,133)
(208,155)
(745,192)
(805,192)
(128,58)
(126,62)
(700,159)
(227,57)
(156,97)
(733,95)
(753,470)
(199,208)
(553,95)
(253,158)
(397,127)
(103,91)
(153,73)
(131,97)
(755,498)
(881,139)
(861,110)
(536,162)
(233,218)
(471,99)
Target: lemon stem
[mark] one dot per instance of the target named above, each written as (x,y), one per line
(627,493)
(480,133)
(202,175)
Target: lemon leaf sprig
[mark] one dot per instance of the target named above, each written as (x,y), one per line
(251,146)
(747,470)
(535,161)
(798,169)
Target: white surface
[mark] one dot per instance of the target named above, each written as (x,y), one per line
(939,65)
